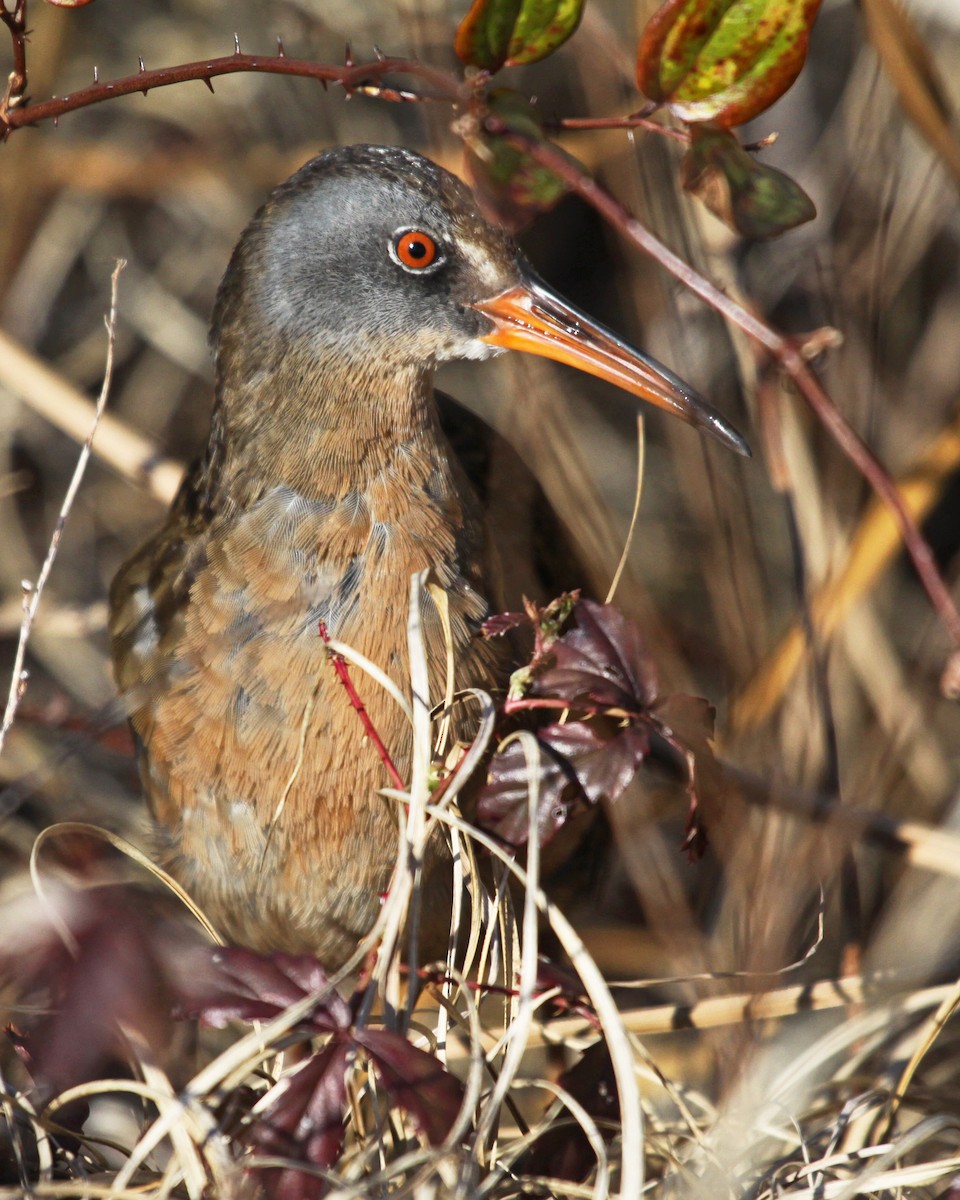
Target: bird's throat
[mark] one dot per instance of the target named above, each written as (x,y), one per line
(325,430)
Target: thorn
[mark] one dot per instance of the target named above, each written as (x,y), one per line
(96,75)
(348,57)
(142,67)
(209,84)
(280,50)
(324,82)
(236,43)
(380,56)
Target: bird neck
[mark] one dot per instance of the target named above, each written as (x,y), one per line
(323,427)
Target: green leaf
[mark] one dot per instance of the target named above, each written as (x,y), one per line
(542,27)
(511,186)
(755,200)
(483,36)
(497,33)
(723,61)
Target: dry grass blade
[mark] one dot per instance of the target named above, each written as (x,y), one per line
(66,408)
(873,547)
(32,593)
(912,71)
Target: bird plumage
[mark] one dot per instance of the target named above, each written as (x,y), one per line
(326,482)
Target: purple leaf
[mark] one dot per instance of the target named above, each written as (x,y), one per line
(501,623)
(303,1121)
(580,761)
(236,984)
(602,660)
(415,1081)
(116,981)
(603,761)
(502,804)
(563,1152)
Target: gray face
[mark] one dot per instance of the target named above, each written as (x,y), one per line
(320,262)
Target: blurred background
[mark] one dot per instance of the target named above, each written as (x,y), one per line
(716,578)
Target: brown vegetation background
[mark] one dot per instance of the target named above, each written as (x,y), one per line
(168,181)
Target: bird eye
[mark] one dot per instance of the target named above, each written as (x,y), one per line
(415,249)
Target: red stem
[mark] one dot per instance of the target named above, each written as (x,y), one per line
(577,124)
(343,674)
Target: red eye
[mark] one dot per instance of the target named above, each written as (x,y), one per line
(416,250)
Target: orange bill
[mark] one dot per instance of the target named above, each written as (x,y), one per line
(531,317)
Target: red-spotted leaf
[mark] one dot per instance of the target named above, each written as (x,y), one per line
(510,185)
(235,984)
(542,27)
(602,660)
(302,1119)
(414,1080)
(755,200)
(497,33)
(723,61)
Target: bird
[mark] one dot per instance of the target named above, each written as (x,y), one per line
(325,483)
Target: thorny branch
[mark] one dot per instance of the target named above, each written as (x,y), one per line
(15,20)
(352,77)
(31,595)
(367,78)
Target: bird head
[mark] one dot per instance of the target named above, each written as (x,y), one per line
(374,254)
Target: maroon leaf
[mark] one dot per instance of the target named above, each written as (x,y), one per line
(221,985)
(497,33)
(501,623)
(114,982)
(604,762)
(602,660)
(502,803)
(304,1121)
(564,1152)
(414,1080)
(580,761)
(755,200)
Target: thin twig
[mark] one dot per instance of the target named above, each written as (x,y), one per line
(32,595)
(582,124)
(343,674)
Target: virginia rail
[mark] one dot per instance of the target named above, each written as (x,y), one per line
(326,481)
